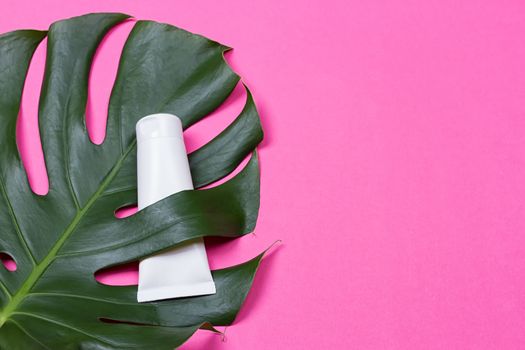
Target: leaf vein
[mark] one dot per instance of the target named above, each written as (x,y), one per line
(29,334)
(15,222)
(66,153)
(135,240)
(84,297)
(4,288)
(64,325)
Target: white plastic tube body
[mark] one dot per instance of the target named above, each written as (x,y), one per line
(162,170)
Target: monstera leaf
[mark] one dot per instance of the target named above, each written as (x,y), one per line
(59,240)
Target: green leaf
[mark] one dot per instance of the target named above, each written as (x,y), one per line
(60,240)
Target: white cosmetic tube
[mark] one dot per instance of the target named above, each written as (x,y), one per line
(162,170)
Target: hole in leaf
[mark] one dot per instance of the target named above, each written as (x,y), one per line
(27,132)
(8,261)
(126,211)
(120,275)
(231,175)
(101,78)
(202,132)
(111,321)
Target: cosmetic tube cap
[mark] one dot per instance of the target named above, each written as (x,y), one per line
(159,125)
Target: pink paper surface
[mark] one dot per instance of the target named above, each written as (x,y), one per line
(393,167)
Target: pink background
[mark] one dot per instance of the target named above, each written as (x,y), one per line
(393,168)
